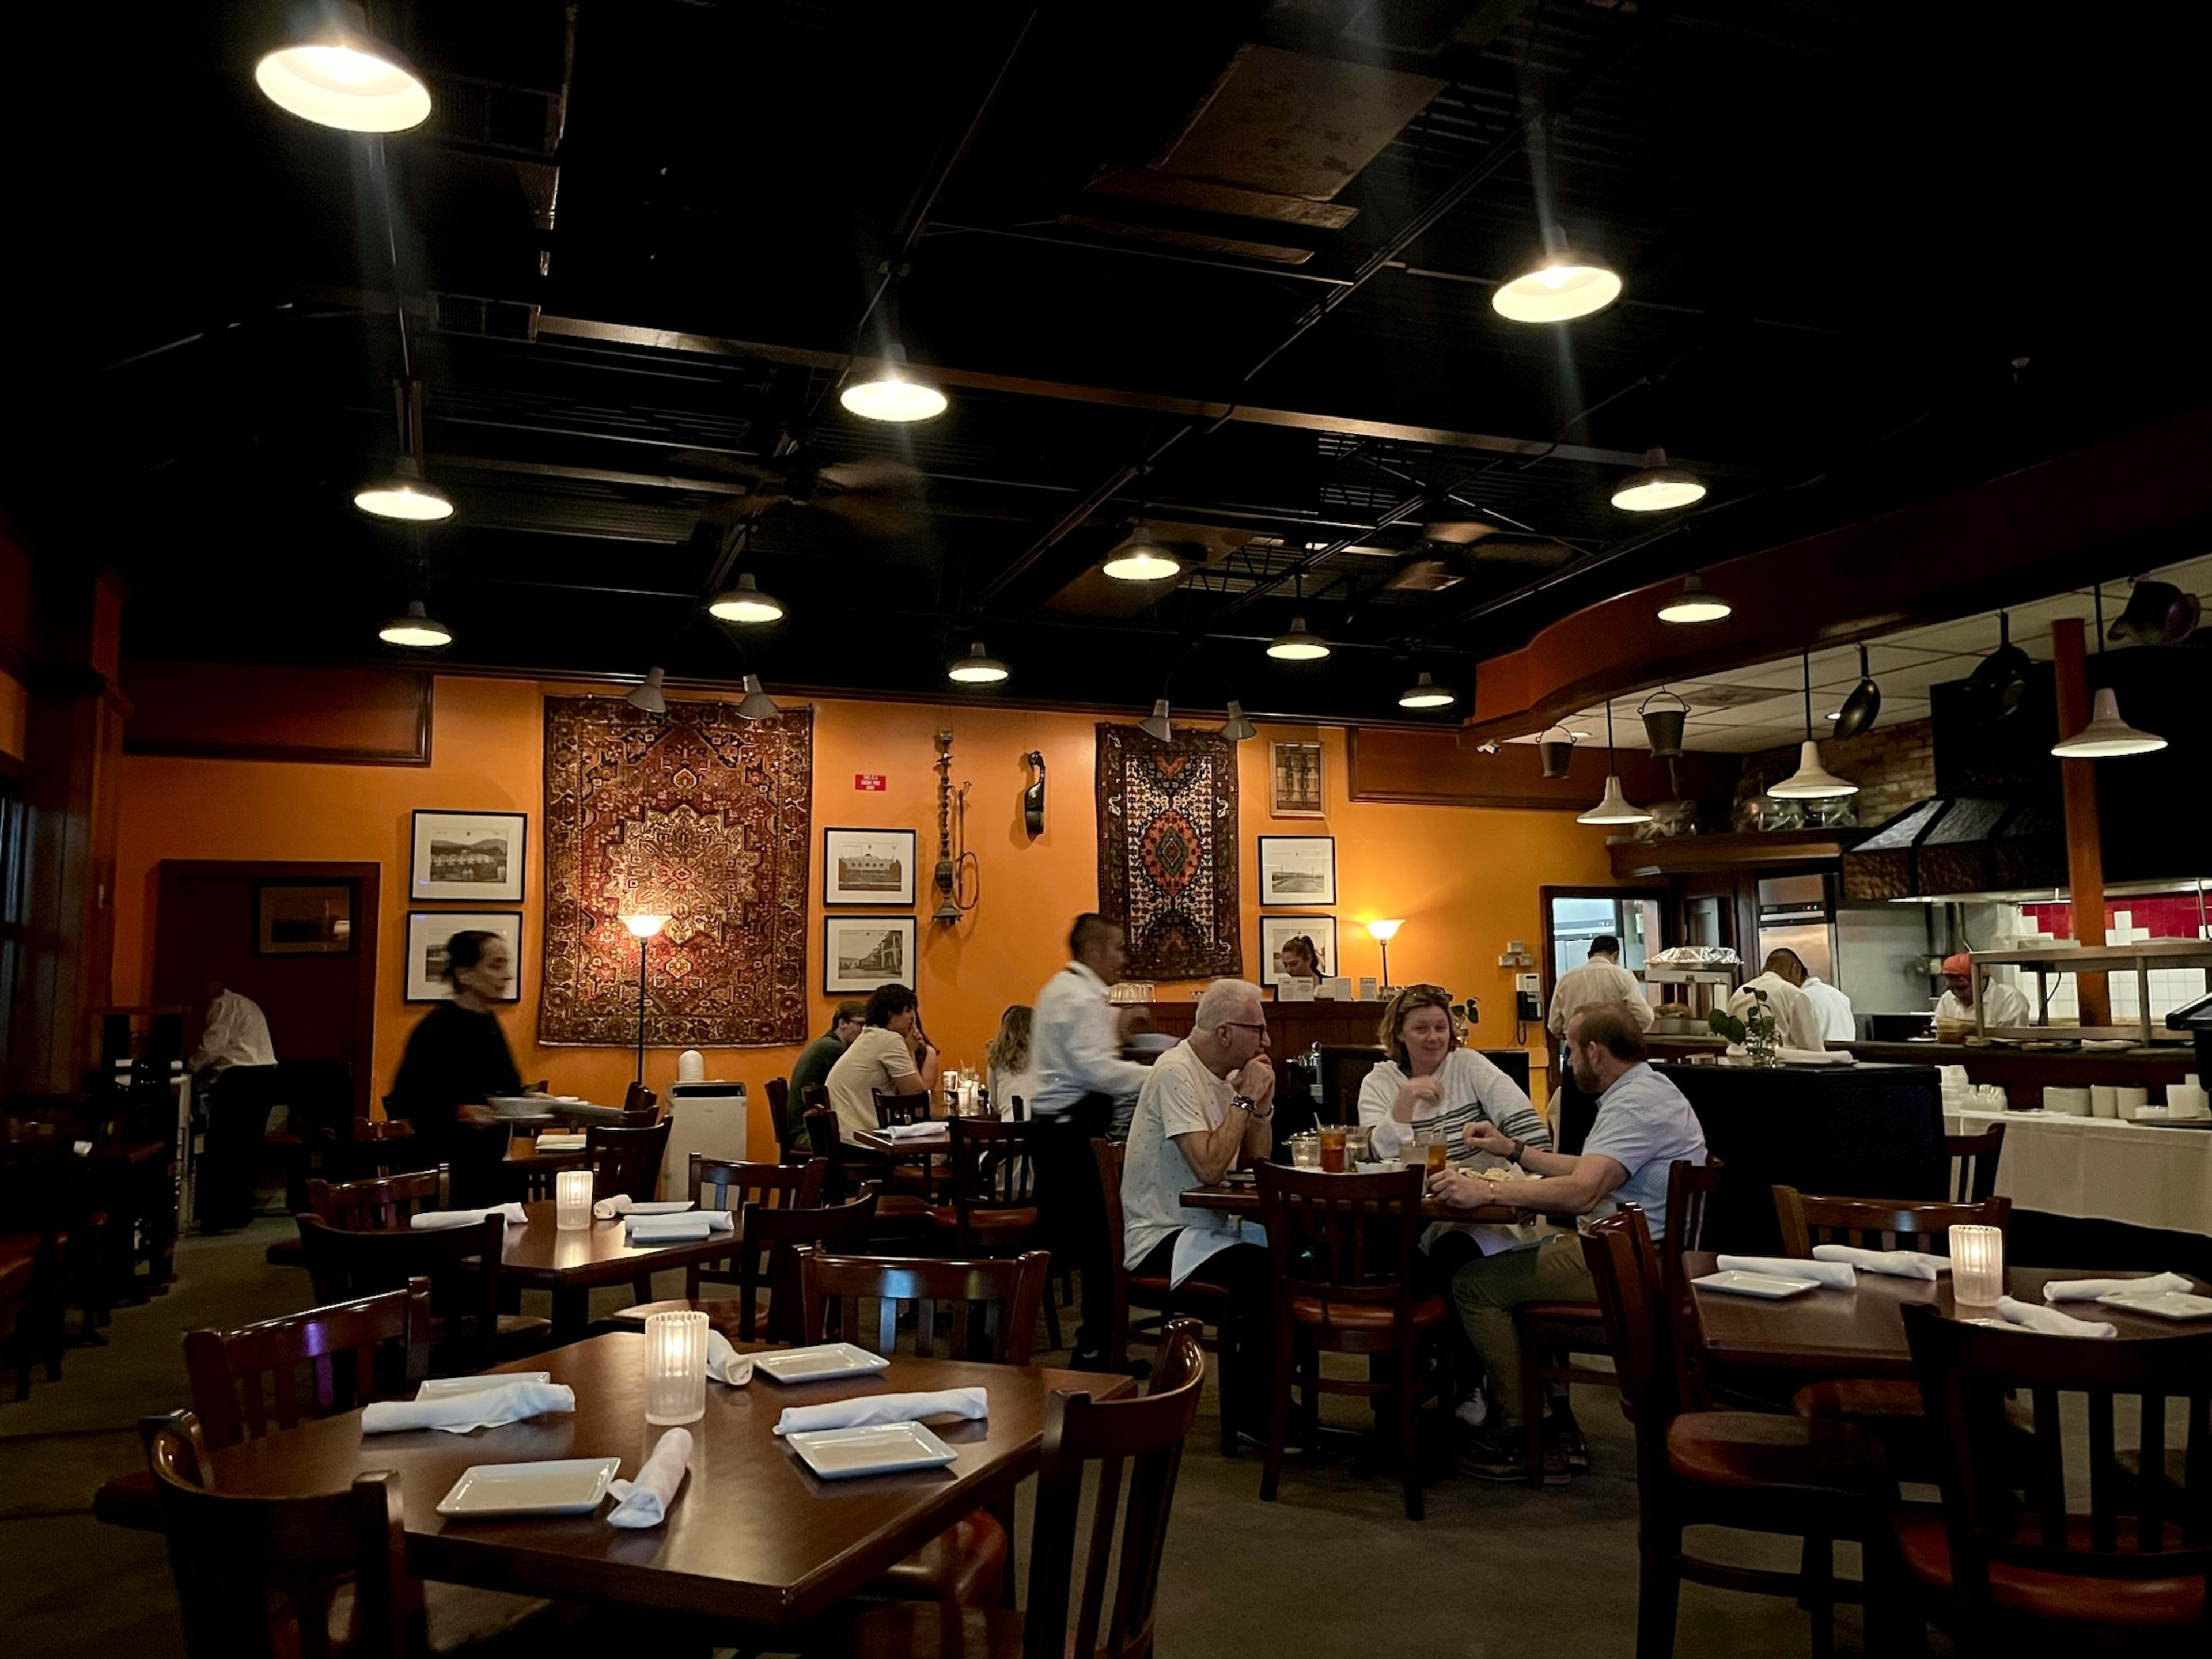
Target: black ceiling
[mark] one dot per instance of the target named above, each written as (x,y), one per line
(1840,225)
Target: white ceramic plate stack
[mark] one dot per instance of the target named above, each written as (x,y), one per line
(2066,1102)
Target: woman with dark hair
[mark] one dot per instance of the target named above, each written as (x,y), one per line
(890,1055)
(1302,958)
(457,1059)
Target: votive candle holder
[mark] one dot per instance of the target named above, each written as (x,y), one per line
(1977,1268)
(572,1201)
(675,1367)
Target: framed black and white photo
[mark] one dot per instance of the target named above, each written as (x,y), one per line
(859,953)
(472,857)
(427,933)
(1294,789)
(1297,869)
(1276,931)
(303,918)
(867,866)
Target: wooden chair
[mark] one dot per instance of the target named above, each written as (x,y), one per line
(380,1204)
(1756,1471)
(626,1158)
(1975,1157)
(461,1263)
(640,1106)
(2008,1564)
(258,1577)
(767,1258)
(247,1382)
(891,1111)
(1137,1445)
(1196,1299)
(789,1118)
(1568,1328)
(900,1217)
(993,1209)
(813,1099)
(721,1183)
(1347,1250)
(894,1110)
(1880,1224)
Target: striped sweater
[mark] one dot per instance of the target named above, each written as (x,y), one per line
(1473,1090)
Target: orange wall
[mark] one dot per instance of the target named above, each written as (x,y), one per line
(1465,879)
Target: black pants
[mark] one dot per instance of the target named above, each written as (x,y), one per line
(1247,1271)
(229,1170)
(1072,1207)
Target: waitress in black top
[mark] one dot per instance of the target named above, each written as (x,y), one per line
(457,1059)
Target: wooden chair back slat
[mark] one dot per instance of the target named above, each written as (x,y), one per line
(895,1110)
(1879,1223)
(625,1158)
(462,1264)
(992,1312)
(768,1242)
(1348,1239)
(1976,1157)
(721,1183)
(381,1203)
(375,1348)
(1690,1189)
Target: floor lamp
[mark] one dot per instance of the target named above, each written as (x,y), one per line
(644,929)
(1382,932)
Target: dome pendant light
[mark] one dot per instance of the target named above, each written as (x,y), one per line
(745,604)
(1139,558)
(1156,725)
(1612,807)
(416,629)
(1560,287)
(1297,645)
(1811,781)
(894,392)
(405,495)
(1659,487)
(1694,604)
(341,76)
(1426,693)
(2106,735)
(978,667)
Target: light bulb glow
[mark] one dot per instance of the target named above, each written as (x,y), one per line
(408,500)
(416,629)
(1385,929)
(1297,645)
(1426,693)
(1694,604)
(1145,563)
(352,84)
(978,667)
(745,603)
(644,925)
(893,396)
(1563,287)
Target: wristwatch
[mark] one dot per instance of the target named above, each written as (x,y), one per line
(1514,1157)
(1242,1103)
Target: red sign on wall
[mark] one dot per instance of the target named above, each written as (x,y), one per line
(870,780)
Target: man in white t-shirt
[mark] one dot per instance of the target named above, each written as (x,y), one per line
(1208,1108)
(891,1054)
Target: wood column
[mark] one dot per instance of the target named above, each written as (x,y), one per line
(2085,849)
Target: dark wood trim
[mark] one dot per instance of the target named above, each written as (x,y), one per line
(1685,855)
(1546,954)
(425,688)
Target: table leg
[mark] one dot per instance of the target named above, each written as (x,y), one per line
(572,1308)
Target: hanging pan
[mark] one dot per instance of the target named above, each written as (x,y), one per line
(1999,681)
(1861,706)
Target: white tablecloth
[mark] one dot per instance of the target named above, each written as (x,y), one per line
(2101,1168)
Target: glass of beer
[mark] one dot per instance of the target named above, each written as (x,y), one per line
(1332,1147)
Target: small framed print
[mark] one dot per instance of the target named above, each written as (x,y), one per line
(1276,931)
(1297,869)
(859,953)
(867,866)
(468,856)
(303,918)
(428,931)
(1294,781)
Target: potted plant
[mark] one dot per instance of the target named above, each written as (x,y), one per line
(1754,1033)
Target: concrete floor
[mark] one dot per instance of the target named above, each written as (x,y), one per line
(1333,1568)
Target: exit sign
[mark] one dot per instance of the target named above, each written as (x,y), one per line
(868,781)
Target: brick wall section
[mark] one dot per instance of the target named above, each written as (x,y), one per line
(1893,765)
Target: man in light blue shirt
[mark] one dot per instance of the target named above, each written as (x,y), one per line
(1644,1124)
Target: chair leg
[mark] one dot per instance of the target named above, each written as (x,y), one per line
(1052,1321)
(1658,1589)
(1278,1412)
(1232,1383)
(1409,1465)
(1817,1592)
(1531,1411)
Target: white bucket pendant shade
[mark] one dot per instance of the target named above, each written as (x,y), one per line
(416,629)
(341,76)
(648,698)
(758,704)
(894,392)
(978,667)
(1426,693)
(1297,645)
(1812,781)
(1141,559)
(1238,728)
(407,495)
(1560,287)
(1658,488)
(2106,734)
(1613,807)
(1157,724)
(1695,604)
(746,603)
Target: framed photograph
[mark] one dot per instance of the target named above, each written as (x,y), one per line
(427,933)
(303,918)
(1298,869)
(1294,781)
(468,856)
(1275,931)
(859,953)
(867,866)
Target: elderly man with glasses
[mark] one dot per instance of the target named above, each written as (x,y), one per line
(1208,1108)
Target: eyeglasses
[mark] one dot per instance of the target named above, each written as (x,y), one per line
(1245,1025)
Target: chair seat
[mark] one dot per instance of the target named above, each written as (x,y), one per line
(524,1328)
(2060,1597)
(900,1206)
(1362,1316)
(964,1566)
(459,1619)
(1771,1453)
(723,1313)
(986,1224)
(1580,1314)
(1867,1400)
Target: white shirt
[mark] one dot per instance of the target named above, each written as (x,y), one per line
(1597,981)
(2003,1004)
(1008,1086)
(1179,1097)
(1797,1024)
(1833,1007)
(1075,1044)
(237,1034)
(1473,1089)
(880,1058)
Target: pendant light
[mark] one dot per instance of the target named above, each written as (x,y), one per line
(1426,693)
(1694,604)
(338,75)
(1156,725)
(404,494)
(1238,728)
(1612,807)
(745,604)
(1559,288)
(417,629)
(647,697)
(894,392)
(1140,558)
(978,667)
(1296,645)
(2106,736)
(758,704)
(1811,781)
(1659,487)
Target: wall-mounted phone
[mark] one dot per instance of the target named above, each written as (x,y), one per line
(1527,997)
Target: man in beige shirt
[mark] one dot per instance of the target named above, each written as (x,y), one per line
(1599,982)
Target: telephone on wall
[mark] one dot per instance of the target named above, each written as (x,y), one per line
(1033,797)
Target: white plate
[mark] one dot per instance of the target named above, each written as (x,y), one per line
(879,1448)
(1772,1286)
(2164,1304)
(439,1386)
(572,1485)
(821,1364)
(660,1207)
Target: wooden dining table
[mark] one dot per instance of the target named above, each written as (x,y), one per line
(570,1265)
(906,1147)
(1860,1333)
(1242,1197)
(754,1537)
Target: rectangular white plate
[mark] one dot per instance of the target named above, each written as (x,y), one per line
(439,1386)
(573,1486)
(660,1207)
(821,1364)
(881,1449)
(1770,1285)
(2164,1304)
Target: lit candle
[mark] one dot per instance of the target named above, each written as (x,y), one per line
(571,1199)
(1977,1272)
(675,1367)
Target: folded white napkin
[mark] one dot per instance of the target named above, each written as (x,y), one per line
(644,1502)
(2088,1290)
(560,1143)
(725,1364)
(1836,1273)
(1814,1057)
(920,1131)
(1899,1264)
(866,1409)
(676,1228)
(431,1221)
(478,1408)
(623,1203)
(2050,1321)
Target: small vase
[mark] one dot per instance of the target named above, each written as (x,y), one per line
(1762,1050)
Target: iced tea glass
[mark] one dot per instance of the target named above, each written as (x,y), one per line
(1332,1147)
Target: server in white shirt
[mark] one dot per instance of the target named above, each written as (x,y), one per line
(1075,1049)
(234,1068)
(2001,1005)
(1796,1022)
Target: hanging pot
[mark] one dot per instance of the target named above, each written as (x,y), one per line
(2000,680)
(1558,752)
(1864,703)
(1663,726)
(2158,613)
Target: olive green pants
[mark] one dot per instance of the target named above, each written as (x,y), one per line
(1489,1289)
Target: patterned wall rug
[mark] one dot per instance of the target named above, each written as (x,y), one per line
(695,815)
(1167,850)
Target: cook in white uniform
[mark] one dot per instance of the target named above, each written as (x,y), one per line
(2001,1005)
(1797,1022)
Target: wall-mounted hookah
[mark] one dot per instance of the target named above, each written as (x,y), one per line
(958,871)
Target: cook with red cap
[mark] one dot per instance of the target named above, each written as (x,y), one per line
(2001,1004)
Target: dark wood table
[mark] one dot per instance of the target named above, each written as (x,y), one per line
(910,1146)
(1861,1332)
(570,1265)
(753,1537)
(1242,1197)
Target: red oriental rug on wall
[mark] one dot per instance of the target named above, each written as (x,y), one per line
(695,815)
(1167,850)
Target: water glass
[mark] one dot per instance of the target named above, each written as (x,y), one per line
(1978,1269)
(572,1201)
(675,1367)
(1306,1151)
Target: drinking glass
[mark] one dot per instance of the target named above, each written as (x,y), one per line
(1332,1137)
(675,1367)
(572,1201)
(1306,1151)
(1436,1150)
